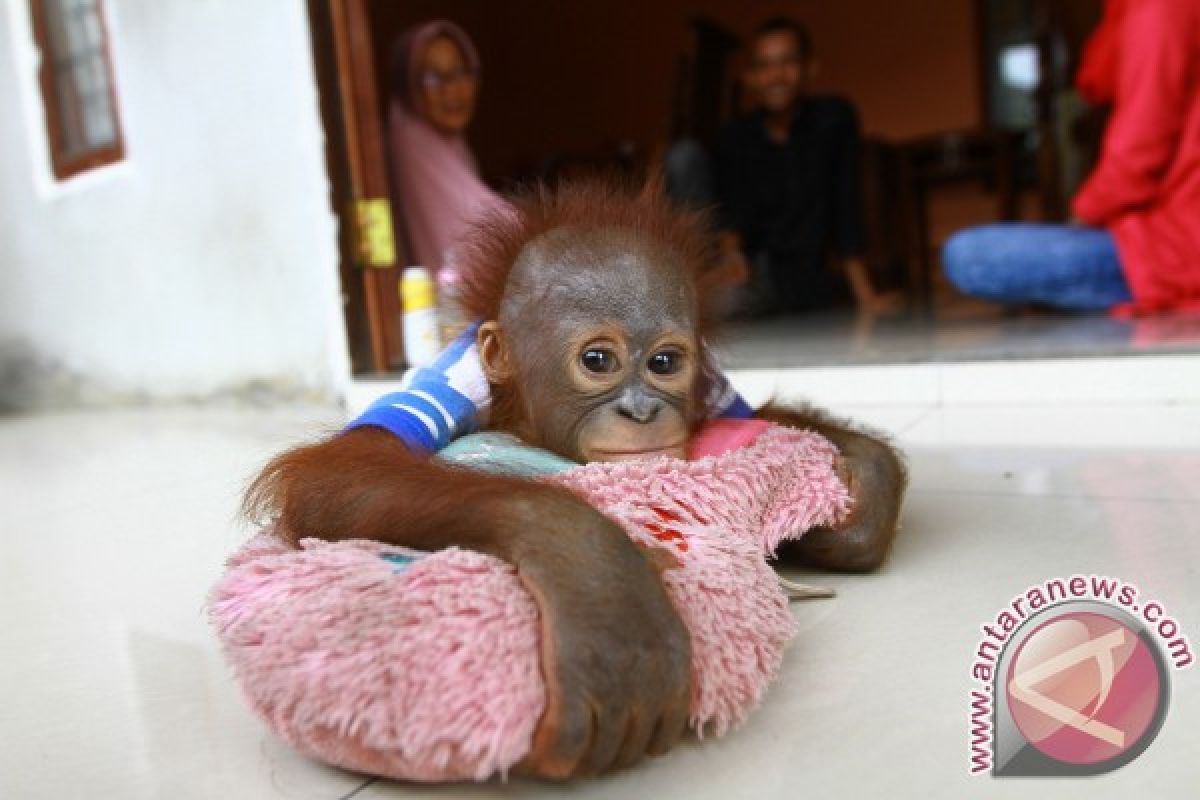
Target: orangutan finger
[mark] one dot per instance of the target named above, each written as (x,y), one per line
(611,731)
(670,729)
(634,747)
(560,743)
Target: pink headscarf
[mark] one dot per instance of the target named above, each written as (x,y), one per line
(433,172)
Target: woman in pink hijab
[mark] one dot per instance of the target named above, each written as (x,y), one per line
(434,76)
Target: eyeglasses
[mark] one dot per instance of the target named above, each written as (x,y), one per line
(432,79)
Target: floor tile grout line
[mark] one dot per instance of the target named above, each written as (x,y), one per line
(1191,501)
(353,792)
(1113,405)
(925,414)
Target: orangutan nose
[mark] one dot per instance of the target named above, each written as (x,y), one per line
(638,406)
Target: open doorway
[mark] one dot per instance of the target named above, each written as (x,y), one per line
(564,88)
(567,86)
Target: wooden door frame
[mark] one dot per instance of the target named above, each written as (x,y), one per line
(356,160)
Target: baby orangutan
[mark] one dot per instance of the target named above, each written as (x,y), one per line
(592,345)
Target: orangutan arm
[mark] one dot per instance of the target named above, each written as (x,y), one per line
(616,657)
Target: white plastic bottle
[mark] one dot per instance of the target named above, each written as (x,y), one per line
(417,297)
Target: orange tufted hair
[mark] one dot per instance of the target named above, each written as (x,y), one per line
(497,239)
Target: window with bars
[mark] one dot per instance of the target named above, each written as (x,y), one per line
(76,76)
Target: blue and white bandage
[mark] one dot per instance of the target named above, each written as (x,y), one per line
(723,401)
(438,403)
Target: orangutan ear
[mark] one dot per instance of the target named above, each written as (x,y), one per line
(494,354)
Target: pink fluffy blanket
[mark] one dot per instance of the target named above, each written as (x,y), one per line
(425,666)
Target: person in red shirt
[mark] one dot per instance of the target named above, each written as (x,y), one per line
(1136,245)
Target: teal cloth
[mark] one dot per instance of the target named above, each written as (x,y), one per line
(505,454)
(399,561)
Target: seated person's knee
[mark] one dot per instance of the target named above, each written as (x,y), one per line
(961,255)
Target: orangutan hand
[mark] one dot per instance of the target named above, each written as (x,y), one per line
(615,655)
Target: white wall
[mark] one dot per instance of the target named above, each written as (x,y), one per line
(206,263)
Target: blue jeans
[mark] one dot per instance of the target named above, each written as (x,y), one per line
(1067,266)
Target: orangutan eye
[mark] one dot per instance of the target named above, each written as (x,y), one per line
(665,362)
(599,360)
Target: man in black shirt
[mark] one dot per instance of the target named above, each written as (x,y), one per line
(788,184)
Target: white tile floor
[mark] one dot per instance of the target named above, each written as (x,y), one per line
(113,526)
